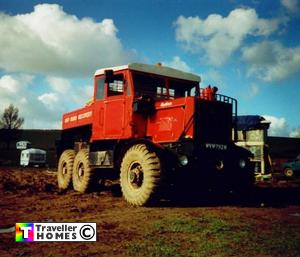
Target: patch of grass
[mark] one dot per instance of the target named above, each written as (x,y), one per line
(159,248)
(280,239)
(135,249)
(176,225)
(212,236)
(164,248)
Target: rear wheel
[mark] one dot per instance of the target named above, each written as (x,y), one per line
(83,174)
(140,175)
(65,167)
(288,172)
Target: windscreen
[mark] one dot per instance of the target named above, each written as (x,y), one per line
(161,87)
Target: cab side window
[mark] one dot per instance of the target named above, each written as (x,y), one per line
(116,87)
(100,88)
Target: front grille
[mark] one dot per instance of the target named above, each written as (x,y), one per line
(213,122)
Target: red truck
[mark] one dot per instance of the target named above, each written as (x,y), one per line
(151,126)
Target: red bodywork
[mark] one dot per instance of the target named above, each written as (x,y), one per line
(113,117)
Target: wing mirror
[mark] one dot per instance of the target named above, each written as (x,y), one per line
(109,76)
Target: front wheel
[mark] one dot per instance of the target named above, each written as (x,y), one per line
(140,175)
(288,172)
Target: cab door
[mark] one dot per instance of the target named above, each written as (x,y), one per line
(114,108)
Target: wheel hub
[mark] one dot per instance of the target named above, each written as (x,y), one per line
(136,175)
(289,173)
(81,170)
(219,165)
(64,169)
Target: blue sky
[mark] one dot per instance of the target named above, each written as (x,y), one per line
(249,49)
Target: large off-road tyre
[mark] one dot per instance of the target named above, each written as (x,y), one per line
(64,170)
(140,175)
(83,174)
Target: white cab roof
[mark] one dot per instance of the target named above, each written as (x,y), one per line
(154,69)
(34,150)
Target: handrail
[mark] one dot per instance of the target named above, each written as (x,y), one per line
(233,102)
(225,99)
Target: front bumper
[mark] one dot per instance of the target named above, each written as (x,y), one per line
(228,166)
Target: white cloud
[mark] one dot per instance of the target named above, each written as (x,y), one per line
(23,100)
(82,95)
(49,99)
(60,85)
(177,63)
(291,5)
(42,107)
(63,96)
(248,91)
(218,37)
(278,126)
(253,90)
(7,83)
(50,41)
(270,61)
(19,90)
(10,85)
(214,78)
(295,133)
(65,92)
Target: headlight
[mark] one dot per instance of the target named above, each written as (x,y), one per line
(242,163)
(183,160)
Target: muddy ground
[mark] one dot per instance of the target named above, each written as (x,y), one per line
(268,224)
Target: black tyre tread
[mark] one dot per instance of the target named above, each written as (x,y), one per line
(150,163)
(64,181)
(85,184)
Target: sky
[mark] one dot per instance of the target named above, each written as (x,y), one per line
(249,49)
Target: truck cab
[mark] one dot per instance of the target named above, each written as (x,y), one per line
(129,95)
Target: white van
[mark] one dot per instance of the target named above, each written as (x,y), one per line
(33,156)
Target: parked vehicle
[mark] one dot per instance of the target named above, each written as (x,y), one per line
(22,145)
(33,156)
(152,126)
(292,167)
